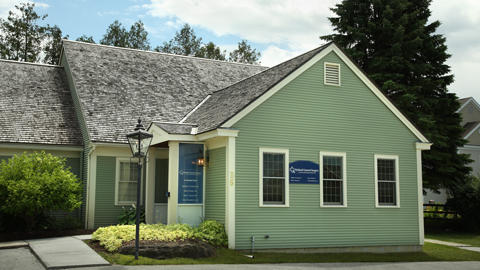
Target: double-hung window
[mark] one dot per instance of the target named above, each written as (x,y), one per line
(273,177)
(333,179)
(387,191)
(126,177)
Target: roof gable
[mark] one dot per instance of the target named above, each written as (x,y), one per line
(115,85)
(222,103)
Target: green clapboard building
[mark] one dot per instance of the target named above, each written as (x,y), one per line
(305,154)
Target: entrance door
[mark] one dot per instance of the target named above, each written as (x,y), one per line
(161,190)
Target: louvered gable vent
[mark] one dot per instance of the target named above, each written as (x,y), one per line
(332,74)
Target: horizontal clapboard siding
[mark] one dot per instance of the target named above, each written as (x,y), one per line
(106,213)
(215,185)
(307,117)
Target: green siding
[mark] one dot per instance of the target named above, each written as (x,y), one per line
(161,180)
(106,213)
(307,117)
(215,185)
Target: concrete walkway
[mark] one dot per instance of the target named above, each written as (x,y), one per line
(65,252)
(453,244)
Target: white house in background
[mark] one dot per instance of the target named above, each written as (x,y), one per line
(470,112)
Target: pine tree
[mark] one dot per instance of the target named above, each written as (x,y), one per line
(53,46)
(86,39)
(185,42)
(138,37)
(396,45)
(244,54)
(116,35)
(211,51)
(21,36)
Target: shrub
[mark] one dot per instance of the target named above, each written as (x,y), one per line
(32,185)
(466,201)
(212,232)
(112,237)
(128,217)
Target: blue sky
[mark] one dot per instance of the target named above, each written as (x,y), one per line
(279,29)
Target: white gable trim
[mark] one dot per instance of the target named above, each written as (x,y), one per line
(194,109)
(466,103)
(471,132)
(311,62)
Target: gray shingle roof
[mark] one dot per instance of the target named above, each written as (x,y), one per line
(175,128)
(224,104)
(468,127)
(36,105)
(116,86)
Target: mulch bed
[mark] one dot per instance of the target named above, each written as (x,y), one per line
(14,236)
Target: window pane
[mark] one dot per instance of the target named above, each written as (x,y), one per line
(332,168)
(127,192)
(273,165)
(332,192)
(386,169)
(274,190)
(128,171)
(386,193)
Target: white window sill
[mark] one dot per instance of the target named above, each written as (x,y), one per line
(333,206)
(387,206)
(274,205)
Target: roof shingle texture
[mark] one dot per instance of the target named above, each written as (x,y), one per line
(174,128)
(116,86)
(36,105)
(224,104)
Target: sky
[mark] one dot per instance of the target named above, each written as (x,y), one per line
(278,29)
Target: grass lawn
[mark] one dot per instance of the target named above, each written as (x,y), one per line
(472,239)
(431,252)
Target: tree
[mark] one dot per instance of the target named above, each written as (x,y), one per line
(211,51)
(21,36)
(32,185)
(184,42)
(138,37)
(244,54)
(85,38)
(116,35)
(53,46)
(394,42)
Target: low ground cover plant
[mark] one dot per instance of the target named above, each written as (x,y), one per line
(112,237)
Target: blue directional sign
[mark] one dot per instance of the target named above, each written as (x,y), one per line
(304,172)
(190,175)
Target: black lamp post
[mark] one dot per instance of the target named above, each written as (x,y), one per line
(139,141)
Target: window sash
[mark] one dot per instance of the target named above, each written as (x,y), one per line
(127,180)
(387,181)
(333,188)
(273,169)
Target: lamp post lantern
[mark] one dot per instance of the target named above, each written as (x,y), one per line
(139,141)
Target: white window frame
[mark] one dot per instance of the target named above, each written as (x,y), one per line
(397,180)
(343,155)
(325,73)
(117,181)
(260,166)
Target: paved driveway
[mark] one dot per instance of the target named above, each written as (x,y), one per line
(19,258)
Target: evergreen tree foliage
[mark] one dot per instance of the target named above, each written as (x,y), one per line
(20,34)
(185,42)
(211,51)
(398,47)
(117,35)
(85,38)
(244,54)
(138,36)
(53,46)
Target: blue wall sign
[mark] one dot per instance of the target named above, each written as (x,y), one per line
(190,175)
(304,172)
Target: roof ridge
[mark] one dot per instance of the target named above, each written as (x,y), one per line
(261,72)
(173,123)
(29,63)
(162,53)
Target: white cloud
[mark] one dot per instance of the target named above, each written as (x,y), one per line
(273,55)
(294,23)
(7,5)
